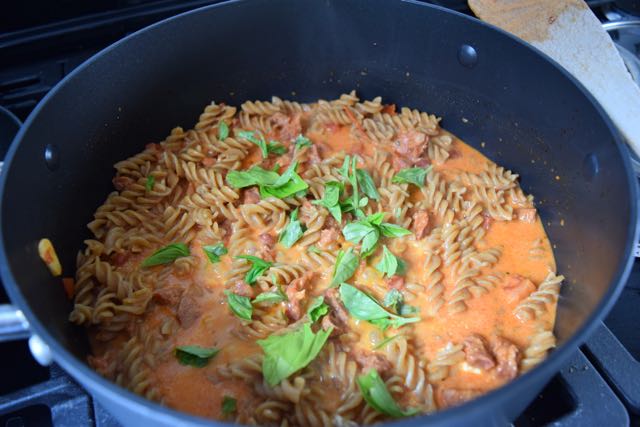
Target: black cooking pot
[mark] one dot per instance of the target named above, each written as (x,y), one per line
(493,91)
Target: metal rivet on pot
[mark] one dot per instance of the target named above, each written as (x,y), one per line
(52,156)
(40,351)
(590,166)
(468,56)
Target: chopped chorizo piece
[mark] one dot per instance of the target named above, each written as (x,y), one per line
(477,353)
(250,196)
(119,258)
(395,282)
(328,237)
(208,161)
(526,214)
(369,360)
(289,126)
(507,355)
(168,295)
(338,313)
(389,109)
(189,309)
(456,396)
(517,288)
(241,288)
(122,182)
(420,223)
(267,246)
(296,292)
(411,145)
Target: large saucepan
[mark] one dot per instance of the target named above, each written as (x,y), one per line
(492,90)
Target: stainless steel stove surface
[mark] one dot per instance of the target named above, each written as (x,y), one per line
(599,386)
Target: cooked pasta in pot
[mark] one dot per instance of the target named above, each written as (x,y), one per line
(334,263)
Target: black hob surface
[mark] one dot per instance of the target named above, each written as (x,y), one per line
(599,385)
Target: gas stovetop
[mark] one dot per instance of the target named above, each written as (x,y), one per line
(599,385)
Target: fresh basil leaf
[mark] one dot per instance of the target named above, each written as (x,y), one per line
(375,393)
(302,141)
(344,169)
(392,230)
(151,180)
(393,299)
(214,252)
(288,184)
(317,308)
(271,297)
(346,264)
(363,202)
(375,219)
(194,355)
(167,254)
(229,405)
(336,213)
(356,231)
(364,307)
(254,176)
(331,199)
(407,310)
(285,354)
(223,131)
(402,267)
(258,267)
(293,231)
(369,243)
(366,183)
(388,263)
(415,176)
(239,305)
(251,137)
(276,148)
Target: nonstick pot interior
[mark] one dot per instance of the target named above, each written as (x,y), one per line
(515,105)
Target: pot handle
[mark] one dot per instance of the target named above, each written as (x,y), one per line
(13,324)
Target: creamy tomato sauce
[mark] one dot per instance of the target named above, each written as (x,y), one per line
(188,306)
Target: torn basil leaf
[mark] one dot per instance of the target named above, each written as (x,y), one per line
(223,131)
(214,252)
(346,264)
(293,231)
(375,393)
(415,176)
(258,267)
(194,355)
(317,308)
(166,255)
(239,305)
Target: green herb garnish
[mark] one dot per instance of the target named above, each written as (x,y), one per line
(258,267)
(389,264)
(239,305)
(346,264)
(293,231)
(415,176)
(366,183)
(229,405)
(375,393)
(254,176)
(271,297)
(214,252)
(194,355)
(364,307)
(331,199)
(151,180)
(302,141)
(368,231)
(285,354)
(317,308)
(167,254)
(223,131)
(265,147)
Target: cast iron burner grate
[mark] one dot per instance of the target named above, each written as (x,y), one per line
(599,385)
